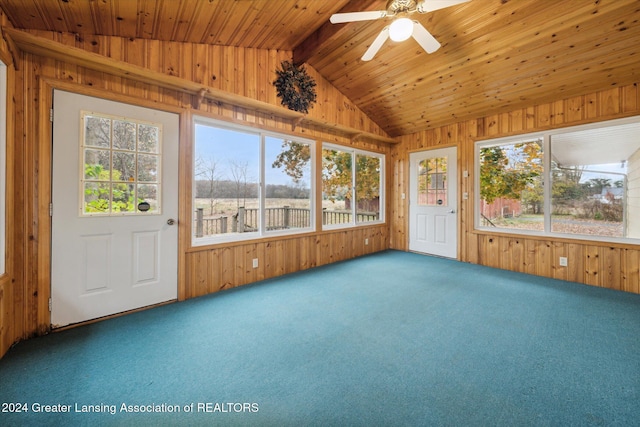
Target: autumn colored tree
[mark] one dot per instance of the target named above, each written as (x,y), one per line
(506,171)
(336,170)
(294,157)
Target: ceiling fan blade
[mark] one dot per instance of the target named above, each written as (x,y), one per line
(424,38)
(431,5)
(376,45)
(341,18)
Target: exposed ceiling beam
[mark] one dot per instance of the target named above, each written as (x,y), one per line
(328,31)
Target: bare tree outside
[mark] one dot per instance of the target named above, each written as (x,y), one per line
(207,170)
(240,173)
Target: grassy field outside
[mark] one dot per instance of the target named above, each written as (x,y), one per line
(561,224)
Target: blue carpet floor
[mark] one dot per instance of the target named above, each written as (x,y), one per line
(390,339)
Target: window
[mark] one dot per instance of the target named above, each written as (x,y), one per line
(582,182)
(121,167)
(249,183)
(351,195)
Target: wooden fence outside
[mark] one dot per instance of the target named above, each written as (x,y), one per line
(284,218)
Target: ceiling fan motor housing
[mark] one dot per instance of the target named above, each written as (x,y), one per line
(401,6)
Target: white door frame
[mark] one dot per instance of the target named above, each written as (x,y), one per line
(446,214)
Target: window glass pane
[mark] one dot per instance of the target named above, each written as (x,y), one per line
(288,184)
(337,187)
(596,181)
(511,186)
(367,188)
(227,172)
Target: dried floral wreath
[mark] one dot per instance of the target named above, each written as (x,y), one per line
(295,87)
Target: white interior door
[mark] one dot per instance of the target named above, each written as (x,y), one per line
(115,202)
(433,201)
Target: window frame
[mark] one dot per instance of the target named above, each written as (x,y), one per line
(546,137)
(262,232)
(355,152)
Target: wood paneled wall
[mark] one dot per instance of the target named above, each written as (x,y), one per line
(217,268)
(25,290)
(608,265)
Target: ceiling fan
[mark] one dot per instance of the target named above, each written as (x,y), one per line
(402,27)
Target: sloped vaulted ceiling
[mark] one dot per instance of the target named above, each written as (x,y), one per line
(496,55)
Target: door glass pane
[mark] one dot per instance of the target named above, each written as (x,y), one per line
(148,194)
(124,135)
(148,138)
(97,132)
(123,198)
(97,164)
(97,196)
(147,168)
(123,166)
(114,164)
(432,182)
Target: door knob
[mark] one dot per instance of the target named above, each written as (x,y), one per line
(452,211)
(171,221)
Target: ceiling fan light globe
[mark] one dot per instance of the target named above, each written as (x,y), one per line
(401,29)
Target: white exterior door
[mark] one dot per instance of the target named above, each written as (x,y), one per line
(115,204)
(433,218)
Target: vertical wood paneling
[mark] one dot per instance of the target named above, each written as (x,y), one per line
(630,98)
(559,249)
(574,109)
(609,102)
(575,258)
(630,267)
(592,266)
(610,268)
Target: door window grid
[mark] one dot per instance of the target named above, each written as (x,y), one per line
(432,180)
(120,170)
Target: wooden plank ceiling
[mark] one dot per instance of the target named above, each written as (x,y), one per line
(496,55)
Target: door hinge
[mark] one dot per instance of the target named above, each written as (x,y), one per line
(50,209)
(51,115)
(50,305)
